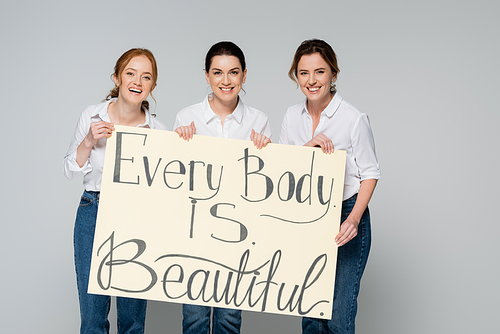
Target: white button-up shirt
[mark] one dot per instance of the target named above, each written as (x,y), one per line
(348,129)
(237,125)
(92,169)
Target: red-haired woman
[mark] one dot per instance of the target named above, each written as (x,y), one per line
(135,78)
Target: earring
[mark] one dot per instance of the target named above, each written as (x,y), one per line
(332,87)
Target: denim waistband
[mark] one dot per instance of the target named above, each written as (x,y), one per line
(352,198)
(95,194)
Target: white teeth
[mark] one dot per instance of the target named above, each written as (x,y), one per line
(135,90)
(226,89)
(313,89)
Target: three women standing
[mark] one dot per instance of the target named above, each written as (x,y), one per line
(135,78)
(326,120)
(323,119)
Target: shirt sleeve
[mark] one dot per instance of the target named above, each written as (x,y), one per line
(364,149)
(284,131)
(159,125)
(177,123)
(266,129)
(71,169)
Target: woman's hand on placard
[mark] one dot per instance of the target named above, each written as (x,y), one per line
(322,141)
(186,132)
(97,131)
(259,140)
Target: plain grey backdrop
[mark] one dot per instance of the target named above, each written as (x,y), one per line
(426,72)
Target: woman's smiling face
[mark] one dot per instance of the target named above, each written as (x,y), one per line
(136,80)
(315,77)
(226,78)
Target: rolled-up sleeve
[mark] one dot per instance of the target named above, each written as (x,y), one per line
(363,146)
(71,169)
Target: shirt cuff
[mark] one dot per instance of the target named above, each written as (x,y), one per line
(374,176)
(74,167)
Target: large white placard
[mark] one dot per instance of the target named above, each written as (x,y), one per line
(217,222)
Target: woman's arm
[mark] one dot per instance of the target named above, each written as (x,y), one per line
(97,130)
(349,228)
(71,167)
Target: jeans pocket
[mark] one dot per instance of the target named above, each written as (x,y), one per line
(84,201)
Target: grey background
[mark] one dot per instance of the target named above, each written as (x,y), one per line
(426,72)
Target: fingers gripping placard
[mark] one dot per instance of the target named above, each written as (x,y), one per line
(217,222)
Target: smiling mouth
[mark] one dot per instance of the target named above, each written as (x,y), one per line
(226,90)
(313,89)
(136,91)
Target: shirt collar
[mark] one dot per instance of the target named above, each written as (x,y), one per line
(147,120)
(102,113)
(330,109)
(102,110)
(208,113)
(238,112)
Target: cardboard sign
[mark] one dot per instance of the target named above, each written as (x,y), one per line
(217,222)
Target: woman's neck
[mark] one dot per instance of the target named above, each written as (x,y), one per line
(223,109)
(315,108)
(122,113)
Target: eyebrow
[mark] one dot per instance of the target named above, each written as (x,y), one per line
(133,69)
(319,68)
(232,69)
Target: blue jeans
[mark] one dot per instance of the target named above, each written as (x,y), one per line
(94,309)
(351,262)
(196,320)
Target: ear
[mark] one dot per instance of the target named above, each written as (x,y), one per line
(334,77)
(206,77)
(115,79)
(244,76)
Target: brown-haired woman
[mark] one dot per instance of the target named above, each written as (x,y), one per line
(221,114)
(135,78)
(326,120)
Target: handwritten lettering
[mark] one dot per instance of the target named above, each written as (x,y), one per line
(232,229)
(228,286)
